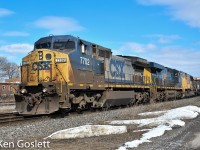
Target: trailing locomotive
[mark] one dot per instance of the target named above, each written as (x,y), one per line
(65,72)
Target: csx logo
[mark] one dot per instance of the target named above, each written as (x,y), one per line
(43,65)
(117,68)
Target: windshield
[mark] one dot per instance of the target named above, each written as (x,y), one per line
(46,45)
(64,45)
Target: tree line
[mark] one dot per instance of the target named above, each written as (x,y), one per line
(8,70)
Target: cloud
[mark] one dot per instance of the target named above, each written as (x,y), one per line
(17,48)
(15,33)
(164,39)
(180,58)
(5,12)
(177,57)
(184,10)
(58,25)
(136,47)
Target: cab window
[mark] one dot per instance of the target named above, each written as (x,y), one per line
(69,45)
(46,45)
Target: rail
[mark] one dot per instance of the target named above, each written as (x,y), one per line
(10,117)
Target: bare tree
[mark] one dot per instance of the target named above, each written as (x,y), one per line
(3,63)
(8,69)
(11,70)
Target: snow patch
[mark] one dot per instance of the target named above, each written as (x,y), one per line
(166,121)
(151,113)
(88,131)
(187,112)
(155,132)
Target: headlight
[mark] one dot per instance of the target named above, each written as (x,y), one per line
(44,90)
(40,55)
(25,62)
(23,91)
(60,60)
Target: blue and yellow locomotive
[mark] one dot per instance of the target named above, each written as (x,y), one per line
(66,73)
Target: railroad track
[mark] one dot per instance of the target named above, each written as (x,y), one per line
(10,117)
(7,103)
(7,118)
(13,117)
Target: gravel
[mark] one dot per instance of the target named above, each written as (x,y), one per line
(44,128)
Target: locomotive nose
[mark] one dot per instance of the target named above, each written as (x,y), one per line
(43,73)
(44,66)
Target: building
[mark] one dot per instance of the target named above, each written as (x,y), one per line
(8,88)
(197,79)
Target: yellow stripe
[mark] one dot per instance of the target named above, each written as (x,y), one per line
(70,84)
(81,84)
(125,86)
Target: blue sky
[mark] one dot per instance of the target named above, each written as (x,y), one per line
(163,31)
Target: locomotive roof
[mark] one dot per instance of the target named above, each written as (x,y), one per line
(136,60)
(156,66)
(53,38)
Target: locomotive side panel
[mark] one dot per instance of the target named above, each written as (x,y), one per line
(86,70)
(118,70)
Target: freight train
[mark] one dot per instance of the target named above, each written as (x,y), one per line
(65,73)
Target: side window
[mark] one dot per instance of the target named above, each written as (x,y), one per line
(3,87)
(85,49)
(11,88)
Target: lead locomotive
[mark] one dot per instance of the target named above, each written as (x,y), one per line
(65,72)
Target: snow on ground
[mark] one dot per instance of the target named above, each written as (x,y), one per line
(5,109)
(152,113)
(88,131)
(162,123)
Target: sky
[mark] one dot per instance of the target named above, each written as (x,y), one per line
(162,31)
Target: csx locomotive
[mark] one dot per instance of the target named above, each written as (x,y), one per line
(66,73)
